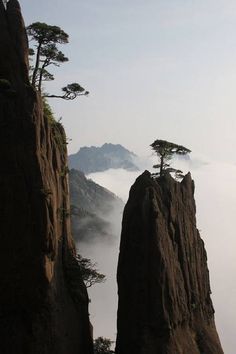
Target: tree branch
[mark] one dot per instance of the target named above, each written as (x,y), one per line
(66,97)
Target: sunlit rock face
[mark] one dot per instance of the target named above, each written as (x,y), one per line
(43,301)
(163,279)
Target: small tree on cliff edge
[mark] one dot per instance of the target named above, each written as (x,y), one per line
(165,151)
(47,37)
(89,272)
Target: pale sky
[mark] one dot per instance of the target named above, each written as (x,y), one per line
(155,69)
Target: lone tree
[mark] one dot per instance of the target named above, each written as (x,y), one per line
(47,38)
(165,151)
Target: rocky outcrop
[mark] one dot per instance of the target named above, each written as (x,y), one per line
(163,280)
(43,301)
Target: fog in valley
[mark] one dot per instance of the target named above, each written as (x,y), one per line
(216,229)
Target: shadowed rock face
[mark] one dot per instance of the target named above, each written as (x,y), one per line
(43,301)
(163,280)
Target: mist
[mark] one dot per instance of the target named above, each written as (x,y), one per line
(216,210)
(104,301)
(103,248)
(215,195)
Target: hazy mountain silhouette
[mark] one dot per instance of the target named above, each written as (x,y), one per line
(98,159)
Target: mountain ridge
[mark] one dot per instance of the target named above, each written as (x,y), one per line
(97,159)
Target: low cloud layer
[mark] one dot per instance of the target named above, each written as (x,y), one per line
(118,181)
(215,194)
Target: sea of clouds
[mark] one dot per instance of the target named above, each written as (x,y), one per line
(215,194)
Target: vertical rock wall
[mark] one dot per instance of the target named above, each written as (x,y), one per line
(163,281)
(43,301)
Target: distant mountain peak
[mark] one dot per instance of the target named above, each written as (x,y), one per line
(115,147)
(101,158)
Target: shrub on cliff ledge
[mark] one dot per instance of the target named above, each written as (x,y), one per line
(48,113)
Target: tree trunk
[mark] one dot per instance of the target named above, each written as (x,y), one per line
(36,65)
(41,76)
(161,165)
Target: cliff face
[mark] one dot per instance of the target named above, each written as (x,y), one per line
(43,301)
(163,280)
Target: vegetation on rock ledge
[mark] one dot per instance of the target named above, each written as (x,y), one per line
(165,151)
(46,54)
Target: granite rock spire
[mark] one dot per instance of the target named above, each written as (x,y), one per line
(163,280)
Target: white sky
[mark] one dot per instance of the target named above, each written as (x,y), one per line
(159,69)
(155,69)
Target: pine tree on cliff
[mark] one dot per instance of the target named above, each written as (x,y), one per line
(89,272)
(47,53)
(165,151)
